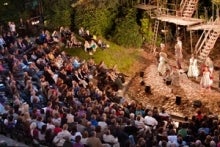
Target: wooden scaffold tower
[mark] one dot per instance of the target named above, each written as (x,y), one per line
(180,14)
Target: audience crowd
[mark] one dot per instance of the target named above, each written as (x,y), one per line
(50,98)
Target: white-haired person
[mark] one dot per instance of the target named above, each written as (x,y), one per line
(163,61)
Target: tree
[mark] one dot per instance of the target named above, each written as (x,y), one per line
(96,16)
(11,10)
(216,2)
(127,31)
(57,13)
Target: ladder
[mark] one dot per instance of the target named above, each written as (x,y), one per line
(209,43)
(154,38)
(187,7)
(206,42)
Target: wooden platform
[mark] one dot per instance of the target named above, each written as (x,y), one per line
(145,7)
(204,27)
(180,20)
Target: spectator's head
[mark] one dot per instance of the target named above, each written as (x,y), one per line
(98,129)
(132,116)
(65,127)
(93,134)
(78,138)
(212,144)
(150,113)
(198,143)
(138,118)
(141,142)
(85,134)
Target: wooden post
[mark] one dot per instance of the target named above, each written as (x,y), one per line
(217,13)
(213,9)
(191,41)
(157,4)
(165,34)
(206,13)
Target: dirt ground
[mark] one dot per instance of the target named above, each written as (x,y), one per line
(163,95)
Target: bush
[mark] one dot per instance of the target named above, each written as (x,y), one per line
(127,32)
(97,18)
(58,14)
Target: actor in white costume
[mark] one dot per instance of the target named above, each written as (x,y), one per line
(163,65)
(193,70)
(207,79)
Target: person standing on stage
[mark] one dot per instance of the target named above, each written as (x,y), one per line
(193,70)
(163,61)
(207,79)
(178,53)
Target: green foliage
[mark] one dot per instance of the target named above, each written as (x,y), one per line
(146,30)
(115,55)
(11,10)
(97,17)
(216,2)
(127,31)
(58,13)
(98,21)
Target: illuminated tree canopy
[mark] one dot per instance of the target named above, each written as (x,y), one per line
(216,2)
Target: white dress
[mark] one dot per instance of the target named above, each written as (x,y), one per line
(162,66)
(190,69)
(206,80)
(193,70)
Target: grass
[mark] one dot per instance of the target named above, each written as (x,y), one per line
(114,55)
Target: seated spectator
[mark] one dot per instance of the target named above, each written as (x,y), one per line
(102,44)
(41,134)
(102,123)
(87,36)
(84,138)
(110,139)
(56,36)
(141,142)
(2,42)
(57,128)
(81,32)
(73,42)
(50,125)
(40,122)
(172,137)
(88,47)
(164,115)
(93,141)
(150,121)
(34,132)
(93,45)
(142,128)
(62,136)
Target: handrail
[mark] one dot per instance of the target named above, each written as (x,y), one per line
(168,11)
(204,36)
(182,6)
(182,2)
